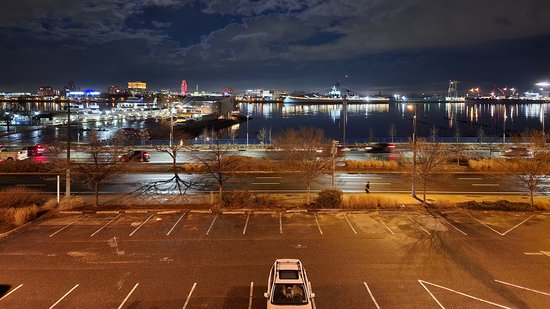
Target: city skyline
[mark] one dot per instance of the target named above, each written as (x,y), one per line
(368,46)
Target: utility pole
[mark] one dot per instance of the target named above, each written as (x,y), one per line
(68,175)
(333,151)
(413,186)
(171,125)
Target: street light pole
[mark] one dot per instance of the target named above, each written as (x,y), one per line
(247,131)
(413,186)
(68,173)
(504,127)
(171,125)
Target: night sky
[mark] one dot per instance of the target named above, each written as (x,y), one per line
(380,45)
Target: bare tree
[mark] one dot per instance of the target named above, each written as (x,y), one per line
(104,161)
(392,132)
(431,159)
(6,116)
(262,135)
(305,152)
(219,164)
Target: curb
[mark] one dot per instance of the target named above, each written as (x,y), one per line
(8,233)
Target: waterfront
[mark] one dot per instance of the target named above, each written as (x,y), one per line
(364,121)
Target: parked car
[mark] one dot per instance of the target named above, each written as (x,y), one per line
(380,148)
(12,155)
(135,155)
(35,150)
(518,152)
(288,285)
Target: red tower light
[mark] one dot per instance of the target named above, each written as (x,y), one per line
(183,87)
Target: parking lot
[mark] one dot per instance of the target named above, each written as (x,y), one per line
(378,259)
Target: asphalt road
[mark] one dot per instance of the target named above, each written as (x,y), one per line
(394,259)
(463,183)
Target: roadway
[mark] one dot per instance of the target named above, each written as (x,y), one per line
(385,259)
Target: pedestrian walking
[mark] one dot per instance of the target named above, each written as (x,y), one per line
(367,187)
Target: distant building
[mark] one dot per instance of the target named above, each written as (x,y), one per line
(183,87)
(46,91)
(137,88)
(70,87)
(113,90)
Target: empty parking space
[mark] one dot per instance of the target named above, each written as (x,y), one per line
(300,225)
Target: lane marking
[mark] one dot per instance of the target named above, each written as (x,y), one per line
(470,178)
(246,224)
(31,185)
(379,183)
(250,296)
(189,296)
(501,234)
(419,225)
(371,296)
(270,177)
(66,226)
(318,226)
(105,225)
(346,216)
(457,292)
(212,224)
(452,225)
(142,223)
(533,253)
(128,296)
(387,227)
(11,291)
(524,288)
(281,223)
(266,183)
(57,302)
(486,185)
(173,227)
(361,177)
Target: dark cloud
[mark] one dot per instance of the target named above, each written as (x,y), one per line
(272,43)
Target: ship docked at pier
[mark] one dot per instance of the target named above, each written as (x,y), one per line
(335,96)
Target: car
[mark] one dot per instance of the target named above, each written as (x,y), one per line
(518,152)
(380,148)
(135,155)
(288,286)
(35,150)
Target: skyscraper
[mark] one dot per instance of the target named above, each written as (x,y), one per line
(183,87)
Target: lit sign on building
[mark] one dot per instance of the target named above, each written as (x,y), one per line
(137,85)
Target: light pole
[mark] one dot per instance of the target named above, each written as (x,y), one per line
(247,131)
(504,127)
(171,124)
(333,151)
(68,173)
(413,185)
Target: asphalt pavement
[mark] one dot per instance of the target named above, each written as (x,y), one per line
(379,259)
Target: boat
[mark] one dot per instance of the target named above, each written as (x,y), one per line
(334,97)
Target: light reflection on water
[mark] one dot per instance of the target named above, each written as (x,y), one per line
(446,118)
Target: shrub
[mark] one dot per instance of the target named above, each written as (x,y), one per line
(236,197)
(17,216)
(370,164)
(329,198)
(500,205)
(20,197)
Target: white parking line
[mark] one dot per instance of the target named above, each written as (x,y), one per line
(457,292)
(387,227)
(173,227)
(250,296)
(524,288)
(66,226)
(189,296)
(57,302)
(371,296)
(142,223)
(501,234)
(420,226)
(449,223)
(105,225)
(128,296)
(346,216)
(266,183)
(281,223)
(11,291)
(485,185)
(211,224)
(318,226)
(246,224)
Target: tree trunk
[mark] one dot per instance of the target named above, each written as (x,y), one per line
(308,195)
(532,199)
(96,189)
(424,195)
(220,193)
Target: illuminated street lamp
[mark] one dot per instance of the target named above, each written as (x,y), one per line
(247,130)
(413,187)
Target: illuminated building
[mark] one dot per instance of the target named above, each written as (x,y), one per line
(46,91)
(114,90)
(137,87)
(183,87)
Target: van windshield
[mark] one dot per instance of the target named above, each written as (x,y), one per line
(289,294)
